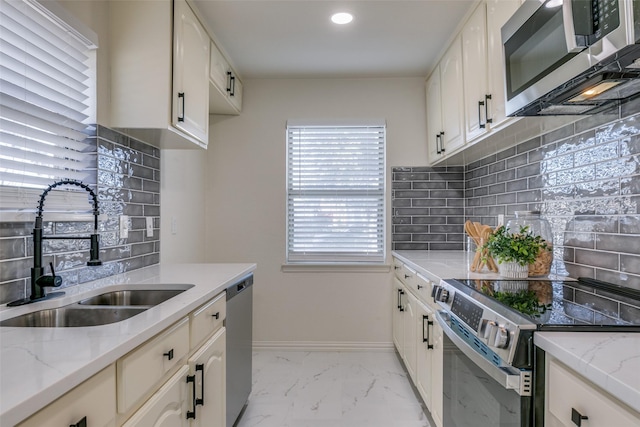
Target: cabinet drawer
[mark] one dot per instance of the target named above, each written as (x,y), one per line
(207,319)
(567,392)
(144,367)
(94,399)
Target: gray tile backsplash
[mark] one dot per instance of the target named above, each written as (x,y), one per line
(584,178)
(128,183)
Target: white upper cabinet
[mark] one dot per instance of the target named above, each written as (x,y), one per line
(225,91)
(498,12)
(190,112)
(470,80)
(483,68)
(445,105)
(474,54)
(167,76)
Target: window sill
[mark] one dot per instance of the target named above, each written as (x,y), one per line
(335,268)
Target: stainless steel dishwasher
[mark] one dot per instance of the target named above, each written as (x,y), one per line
(239,346)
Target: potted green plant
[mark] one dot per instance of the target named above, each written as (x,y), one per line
(514,251)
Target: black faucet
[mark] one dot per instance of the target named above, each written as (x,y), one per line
(40,281)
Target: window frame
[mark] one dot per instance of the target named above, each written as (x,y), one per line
(313,259)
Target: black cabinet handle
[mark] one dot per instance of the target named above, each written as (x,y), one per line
(228,81)
(420,287)
(406,276)
(577,417)
(169,354)
(200,368)
(217,315)
(192,379)
(442,141)
(81,423)
(395,267)
(429,323)
(233,86)
(486,109)
(181,99)
(438,151)
(480,124)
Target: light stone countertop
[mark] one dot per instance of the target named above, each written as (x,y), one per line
(38,365)
(609,360)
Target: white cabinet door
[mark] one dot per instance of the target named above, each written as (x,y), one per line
(410,335)
(94,401)
(452,98)
(424,353)
(218,69)
(167,407)
(190,73)
(434,116)
(474,71)
(567,392)
(398,298)
(208,365)
(498,12)
(437,365)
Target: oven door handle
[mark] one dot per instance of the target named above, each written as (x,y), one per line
(508,377)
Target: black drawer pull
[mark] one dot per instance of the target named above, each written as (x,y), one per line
(577,417)
(192,379)
(81,423)
(217,315)
(169,354)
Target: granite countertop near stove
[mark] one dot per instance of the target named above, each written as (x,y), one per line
(611,361)
(38,365)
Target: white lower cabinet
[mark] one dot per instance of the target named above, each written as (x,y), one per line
(398,315)
(410,333)
(429,361)
(92,402)
(573,401)
(208,365)
(167,407)
(175,379)
(417,336)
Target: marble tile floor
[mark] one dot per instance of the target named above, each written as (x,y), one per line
(331,389)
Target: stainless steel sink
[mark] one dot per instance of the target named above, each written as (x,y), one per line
(136,297)
(109,307)
(73,316)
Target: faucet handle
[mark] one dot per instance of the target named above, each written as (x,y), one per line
(49,281)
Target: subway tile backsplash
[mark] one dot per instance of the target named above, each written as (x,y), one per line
(584,178)
(128,183)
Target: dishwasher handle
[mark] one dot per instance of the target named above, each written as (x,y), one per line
(240,286)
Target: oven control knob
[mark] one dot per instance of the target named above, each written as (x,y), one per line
(444,295)
(490,331)
(502,338)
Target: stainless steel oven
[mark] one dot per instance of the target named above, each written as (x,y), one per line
(478,393)
(493,375)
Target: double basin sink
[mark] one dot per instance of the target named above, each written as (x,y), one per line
(109,307)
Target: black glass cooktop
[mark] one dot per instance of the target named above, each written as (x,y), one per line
(585,304)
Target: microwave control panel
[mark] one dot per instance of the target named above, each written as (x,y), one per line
(605,18)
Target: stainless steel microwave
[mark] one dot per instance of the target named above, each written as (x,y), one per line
(571,56)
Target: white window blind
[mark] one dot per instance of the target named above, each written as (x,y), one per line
(335,193)
(47,96)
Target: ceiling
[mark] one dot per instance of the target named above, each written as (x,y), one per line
(295,38)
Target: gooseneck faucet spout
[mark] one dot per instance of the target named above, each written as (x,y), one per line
(40,281)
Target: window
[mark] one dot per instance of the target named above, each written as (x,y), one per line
(335,193)
(47,102)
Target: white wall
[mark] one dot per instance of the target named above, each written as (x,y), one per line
(182,206)
(245,206)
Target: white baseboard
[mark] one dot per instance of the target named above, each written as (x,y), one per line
(323,346)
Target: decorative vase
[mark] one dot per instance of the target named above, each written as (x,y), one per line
(538,226)
(513,270)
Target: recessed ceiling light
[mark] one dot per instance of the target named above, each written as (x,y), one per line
(553,3)
(341,18)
